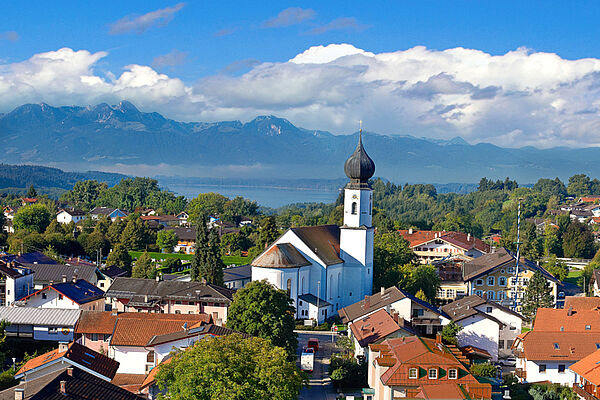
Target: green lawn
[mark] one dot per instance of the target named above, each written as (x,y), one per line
(227,260)
(573,276)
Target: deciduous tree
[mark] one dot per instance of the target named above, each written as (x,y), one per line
(166,240)
(33,218)
(120,257)
(537,294)
(143,267)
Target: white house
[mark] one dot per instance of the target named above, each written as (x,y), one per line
(76,294)
(332,263)
(40,323)
(486,326)
(66,216)
(424,318)
(17,282)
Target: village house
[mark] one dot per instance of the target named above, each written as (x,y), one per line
(183,218)
(237,277)
(423,318)
(595,281)
(493,276)
(66,216)
(112,213)
(67,383)
(160,221)
(434,245)
(170,297)
(69,354)
(186,239)
(374,329)
(109,274)
(43,324)
(74,294)
(15,282)
(9,215)
(450,271)
(587,376)
(560,338)
(48,274)
(486,326)
(414,367)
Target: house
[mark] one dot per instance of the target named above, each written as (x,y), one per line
(434,245)
(594,209)
(186,239)
(590,199)
(44,324)
(34,257)
(374,329)
(541,224)
(66,216)
(170,297)
(110,273)
(494,276)
(48,274)
(560,338)
(70,354)
(74,294)
(158,221)
(587,376)
(67,383)
(112,213)
(595,281)
(237,277)
(15,282)
(424,318)
(183,218)
(133,332)
(424,368)
(580,215)
(9,215)
(452,285)
(95,328)
(486,325)
(333,263)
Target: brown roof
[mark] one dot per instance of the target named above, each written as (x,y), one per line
(487,262)
(466,307)
(458,239)
(79,355)
(582,303)
(374,327)
(370,304)
(198,329)
(324,240)
(561,319)
(281,255)
(136,329)
(102,322)
(130,382)
(557,346)
(588,368)
(419,237)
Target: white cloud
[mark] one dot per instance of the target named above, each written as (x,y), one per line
(141,23)
(289,16)
(516,99)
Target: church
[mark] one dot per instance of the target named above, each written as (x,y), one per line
(327,267)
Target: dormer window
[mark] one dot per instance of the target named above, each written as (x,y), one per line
(556,346)
(588,327)
(433,373)
(413,373)
(452,373)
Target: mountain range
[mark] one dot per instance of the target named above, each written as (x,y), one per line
(121,138)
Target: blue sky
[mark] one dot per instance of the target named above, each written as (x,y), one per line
(222,45)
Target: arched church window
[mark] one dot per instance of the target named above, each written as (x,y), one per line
(289,287)
(339,284)
(329,287)
(354,208)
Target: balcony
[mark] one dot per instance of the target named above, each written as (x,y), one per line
(581,392)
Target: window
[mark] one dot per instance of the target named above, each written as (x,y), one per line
(433,373)
(289,287)
(178,302)
(60,296)
(513,328)
(354,208)
(94,337)
(488,309)
(413,373)
(299,302)
(597,345)
(561,368)
(588,327)
(452,373)
(501,344)
(44,296)
(177,311)
(417,312)
(490,294)
(509,344)
(513,281)
(542,368)
(479,282)
(556,346)
(511,270)
(490,281)
(479,293)
(150,357)
(101,284)
(525,281)
(502,281)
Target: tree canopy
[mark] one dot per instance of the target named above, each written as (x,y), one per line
(33,218)
(538,294)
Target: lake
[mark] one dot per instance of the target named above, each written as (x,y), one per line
(264,196)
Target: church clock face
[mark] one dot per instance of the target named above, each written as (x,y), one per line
(354,196)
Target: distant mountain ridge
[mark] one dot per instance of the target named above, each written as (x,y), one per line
(121,138)
(21,176)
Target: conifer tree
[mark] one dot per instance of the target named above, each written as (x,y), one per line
(201,250)
(537,295)
(31,193)
(212,270)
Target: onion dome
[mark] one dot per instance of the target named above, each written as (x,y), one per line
(359,167)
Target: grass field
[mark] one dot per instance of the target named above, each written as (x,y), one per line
(573,276)
(227,260)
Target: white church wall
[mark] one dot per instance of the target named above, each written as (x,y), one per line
(357,207)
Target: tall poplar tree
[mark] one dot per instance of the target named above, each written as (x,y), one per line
(201,250)
(212,270)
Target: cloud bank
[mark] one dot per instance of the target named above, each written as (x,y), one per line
(515,99)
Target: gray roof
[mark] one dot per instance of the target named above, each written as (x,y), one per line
(39,316)
(55,272)
(324,240)
(237,273)
(183,233)
(312,299)
(138,289)
(374,303)
(31,386)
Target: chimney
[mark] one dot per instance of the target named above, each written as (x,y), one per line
(366,302)
(70,371)
(382,290)
(468,237)
(410,231)
(63,346)
(19,394)
(570,311)
(63,387)
(64,278)
(74,278)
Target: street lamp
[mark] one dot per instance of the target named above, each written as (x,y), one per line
(318,297)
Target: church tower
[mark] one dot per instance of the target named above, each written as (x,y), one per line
(356,235)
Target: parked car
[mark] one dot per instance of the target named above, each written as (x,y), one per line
(313,343)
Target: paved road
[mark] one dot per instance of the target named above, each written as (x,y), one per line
(320,387)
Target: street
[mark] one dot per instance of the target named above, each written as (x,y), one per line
(320,387)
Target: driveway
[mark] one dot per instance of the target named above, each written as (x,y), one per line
(320,387)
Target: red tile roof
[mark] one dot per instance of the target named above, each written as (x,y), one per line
(101,322)
(582,303)
(374,327)
(458,239)
(129,382)
(588,368)
(567,346)
(563,320)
